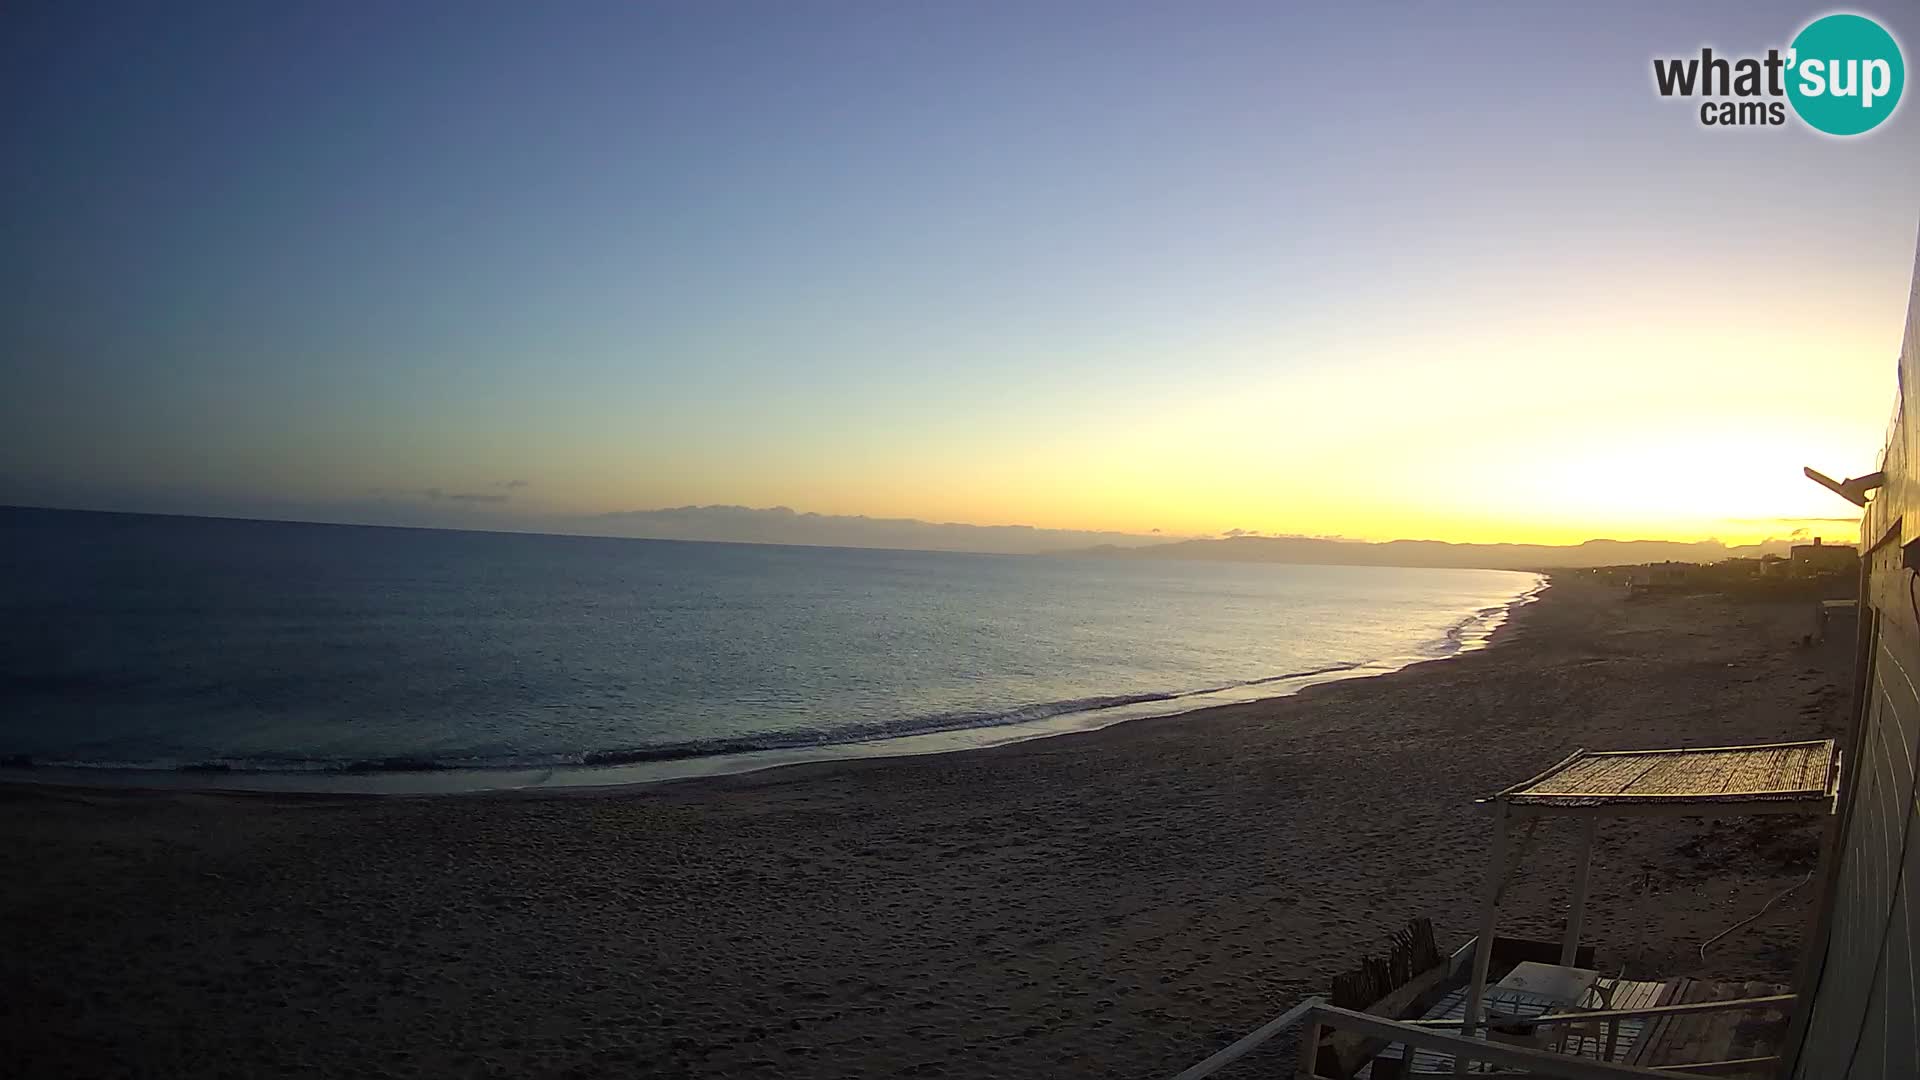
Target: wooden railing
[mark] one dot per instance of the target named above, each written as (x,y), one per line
(1252,1041)
(1427,1035)
(1443,1036)
(1771,1001)
(1463,1049)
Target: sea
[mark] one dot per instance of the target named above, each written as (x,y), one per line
(216,652)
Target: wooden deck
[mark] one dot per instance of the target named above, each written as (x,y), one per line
(1662,1041)
(1721,1036)
(1626,994)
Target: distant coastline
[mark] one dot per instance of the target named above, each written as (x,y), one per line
(1436,554)
(782,527)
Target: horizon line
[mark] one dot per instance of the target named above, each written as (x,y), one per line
(1170,542)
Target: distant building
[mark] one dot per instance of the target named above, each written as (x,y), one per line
(1807,560)
(1661,577)
(1671,573)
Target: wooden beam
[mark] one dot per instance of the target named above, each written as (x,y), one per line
(1703,798)
(1769,1001)
(1816,807)
(1729,1065)
(1537,777)
(1711,749)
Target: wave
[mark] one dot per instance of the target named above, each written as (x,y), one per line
(1474,630)
(921,725)
(798,739)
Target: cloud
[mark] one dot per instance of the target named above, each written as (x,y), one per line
(436,495)
(457,498)
(1849,521)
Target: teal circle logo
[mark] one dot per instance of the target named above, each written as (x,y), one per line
(1845,74)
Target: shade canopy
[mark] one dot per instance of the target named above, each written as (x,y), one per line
(1757,778)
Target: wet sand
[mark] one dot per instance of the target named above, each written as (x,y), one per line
(1116,903)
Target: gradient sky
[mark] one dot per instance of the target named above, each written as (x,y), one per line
(1449,270)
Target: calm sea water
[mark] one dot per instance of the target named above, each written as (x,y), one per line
(162,643)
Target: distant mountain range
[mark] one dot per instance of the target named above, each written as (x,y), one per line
(783,525)
(496,511)
(1306,549)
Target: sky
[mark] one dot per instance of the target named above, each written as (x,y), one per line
(1449,271)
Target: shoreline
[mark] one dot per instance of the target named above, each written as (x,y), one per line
(1116,902)
(437,779)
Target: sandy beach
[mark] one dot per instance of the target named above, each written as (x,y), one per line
(1116,903)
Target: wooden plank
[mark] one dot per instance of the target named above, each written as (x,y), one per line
(1701,1028)
(1622,1035)
(1653,1036)
(1693,1038)
(1637,993)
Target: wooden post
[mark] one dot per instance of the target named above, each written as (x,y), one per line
(1489,915)
(1577,907)
(1310,1048)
